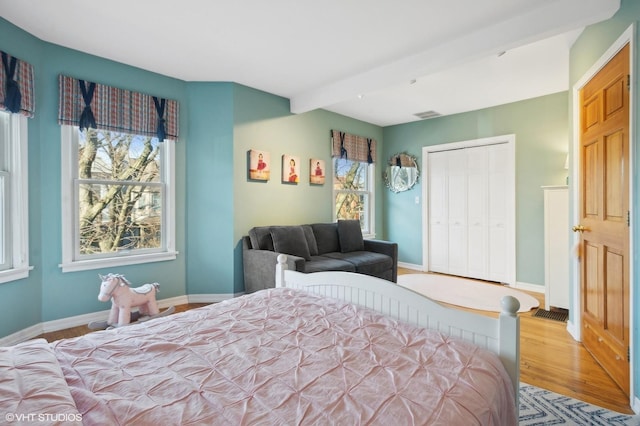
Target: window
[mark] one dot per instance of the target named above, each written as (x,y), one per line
(353,189)
(14,208)
(117,199)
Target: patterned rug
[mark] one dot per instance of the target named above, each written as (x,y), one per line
(543,407)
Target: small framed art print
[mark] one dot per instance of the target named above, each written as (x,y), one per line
(259,165)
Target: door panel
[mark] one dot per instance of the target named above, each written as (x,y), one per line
(477,193)
(590,113)
(438,213)
(592,285)
(614,98)
(615,312)
(457,195)
(614,177)
(590,194)
(497,206)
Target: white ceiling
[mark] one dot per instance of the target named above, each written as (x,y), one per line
(354,57)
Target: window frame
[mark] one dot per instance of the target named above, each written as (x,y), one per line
(71,261)
(16,191)
(367,231)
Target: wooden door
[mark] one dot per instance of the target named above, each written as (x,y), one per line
(604,217)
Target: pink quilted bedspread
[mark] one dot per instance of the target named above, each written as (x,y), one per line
(282,357)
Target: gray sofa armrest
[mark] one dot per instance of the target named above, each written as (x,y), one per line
(259,267)
(385,247)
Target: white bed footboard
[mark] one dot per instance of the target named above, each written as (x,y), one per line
(499,335)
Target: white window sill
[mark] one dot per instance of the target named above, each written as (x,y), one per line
(85,265)
(14,274)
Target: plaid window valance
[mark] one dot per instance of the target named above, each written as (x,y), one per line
(16,91)
(352,147)
(110,108)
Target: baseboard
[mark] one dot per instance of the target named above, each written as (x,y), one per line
(83,319)
(573,330)
(77,320)
(212,298)
(22,335)
(535,288)
(636,405)
(410,266)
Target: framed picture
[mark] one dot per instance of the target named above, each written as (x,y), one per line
(290,169)
(316,171)
(259,165)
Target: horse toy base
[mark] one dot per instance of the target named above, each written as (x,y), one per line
(135,317)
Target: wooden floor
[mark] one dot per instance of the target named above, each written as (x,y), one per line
(83,329)
(550,359)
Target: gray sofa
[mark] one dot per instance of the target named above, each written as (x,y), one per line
(313,248)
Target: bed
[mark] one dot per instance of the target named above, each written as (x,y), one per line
(323,348)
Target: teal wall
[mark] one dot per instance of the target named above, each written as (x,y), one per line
(209,189)
(586,51)
(540,128)
(263,122)
(21,301)
(48,294)
(56,286)
(215,204)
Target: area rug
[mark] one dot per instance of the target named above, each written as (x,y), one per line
(465,292)
(542,407)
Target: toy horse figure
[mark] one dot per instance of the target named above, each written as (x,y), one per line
(123,298)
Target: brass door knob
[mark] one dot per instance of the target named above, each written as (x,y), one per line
(579,228)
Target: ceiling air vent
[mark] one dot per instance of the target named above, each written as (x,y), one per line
(427,114)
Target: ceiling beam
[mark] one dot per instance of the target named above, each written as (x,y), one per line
(550,18)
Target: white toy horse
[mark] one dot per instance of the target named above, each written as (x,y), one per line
(123,298)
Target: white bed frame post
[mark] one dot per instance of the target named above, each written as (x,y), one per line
(281,266)
(510,349)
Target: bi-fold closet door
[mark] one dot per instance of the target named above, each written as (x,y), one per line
(468,212)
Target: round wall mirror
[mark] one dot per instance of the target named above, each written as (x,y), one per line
(402,172)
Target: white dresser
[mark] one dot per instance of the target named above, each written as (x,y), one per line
(556,246)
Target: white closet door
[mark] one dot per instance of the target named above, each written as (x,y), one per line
(477,212)
(457,193)
(498,264)
(469,212)
(438,213)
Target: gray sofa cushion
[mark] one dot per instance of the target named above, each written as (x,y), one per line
(290,240)
(326,237)
(365,262)
(350,236)
(324,263)
(311,239)
(260,237)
